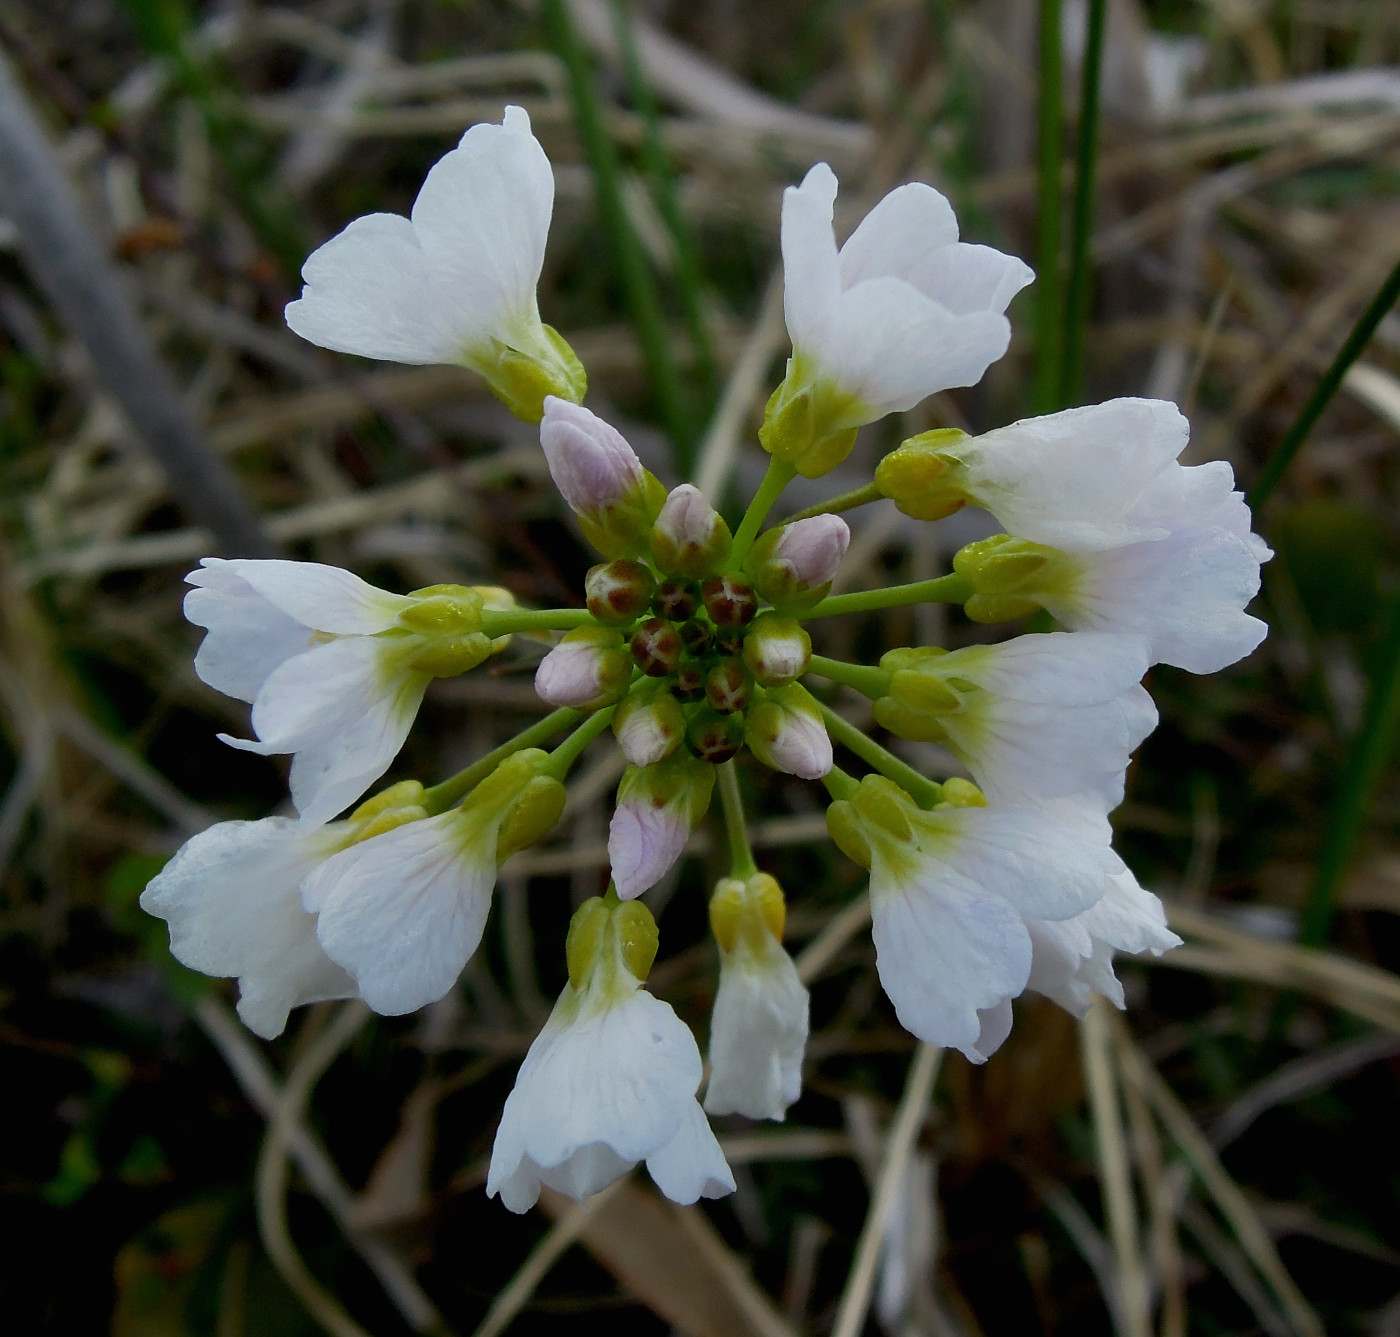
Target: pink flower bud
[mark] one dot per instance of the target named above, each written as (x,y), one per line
(777,649)
(785,731)
(590,462)
(589,668)
(649,725)
(657,809)
(793,566)
(689,537)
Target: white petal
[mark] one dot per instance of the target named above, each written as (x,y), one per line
(644,839)
(1130,918)
(811,271)
(966,278)
(945,949)
(248,637)
(230,898)
(587,1171)
(897,234)
(326,598)
(995,1027)
(371,291)
(1054,668)
(691,1165)
(403,912)
(1060,949)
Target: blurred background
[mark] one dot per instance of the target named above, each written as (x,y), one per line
(1222,1159)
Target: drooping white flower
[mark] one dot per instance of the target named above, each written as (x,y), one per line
(1073,958)
(951,890)
(901,311)
(784,730)
(658,806)
(758,1029)
(230,898)
(403,911)
(609,1081)
(334,668)
(455,282)
(1037,717)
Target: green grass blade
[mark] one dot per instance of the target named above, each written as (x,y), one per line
(1277,464)
(1082,221)
(1049,316)
(638,280)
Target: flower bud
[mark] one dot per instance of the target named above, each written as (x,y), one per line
(785,731)
(689,683)
(921,478)
(523,381)
(676,600)
(697,637)
(729,600)
(797,423)
(713,737)
(689,537)
(657,808)
(656,647)
(1001,570)
(649,724)
(728,686)
(589,668)
(793,566)
(917,695)
(605,931)
(777,649)
(618,592)
(601,478)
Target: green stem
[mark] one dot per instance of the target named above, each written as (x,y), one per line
(455,788)
(865,679)
(923,791)
(779,475)
(1360,336)
(951,589)
(845,501)
(533,619)
(1048,290)
(1082,223)
(741,861)
(569,751)
(839,784)
(633,267)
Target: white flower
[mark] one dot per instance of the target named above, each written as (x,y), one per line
(758,1029)
(785,730)
(950,891)
(230,898)
(1073,958)
(455,283)
(1037,717)
(902,311)
(403,911)
(305,644)
(609,1081)
(658,807)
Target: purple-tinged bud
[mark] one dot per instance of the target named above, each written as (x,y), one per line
(728,686)
(657,809)
(619,592)
(649,724)
(689,683)
(777,649)
(676,600)
(793,566)
(714,737)
(589,668)
(656,647)
(601,478)
(689,537)
(785,731)
(729,600)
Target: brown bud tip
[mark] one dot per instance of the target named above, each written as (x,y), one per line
(689,684)
(676,600)
(729,643)
(698,637)
(656,647)
(729,600)
(714,737)
(728,686)
(618,592)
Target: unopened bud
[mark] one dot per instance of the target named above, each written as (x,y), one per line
(698,637)
(689,537)
(618,592)
(922,478)
(689,683)
(714,737)
(785,731)
(793,566)
(589,668)
(649,724)
(729,600)
(656,647)
(657,808)
(1001,571)
(676,600)
(522,381)
(601,478)
(917,695)
(777,649)
(728,686)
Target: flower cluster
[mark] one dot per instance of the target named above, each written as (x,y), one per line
(694,648)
